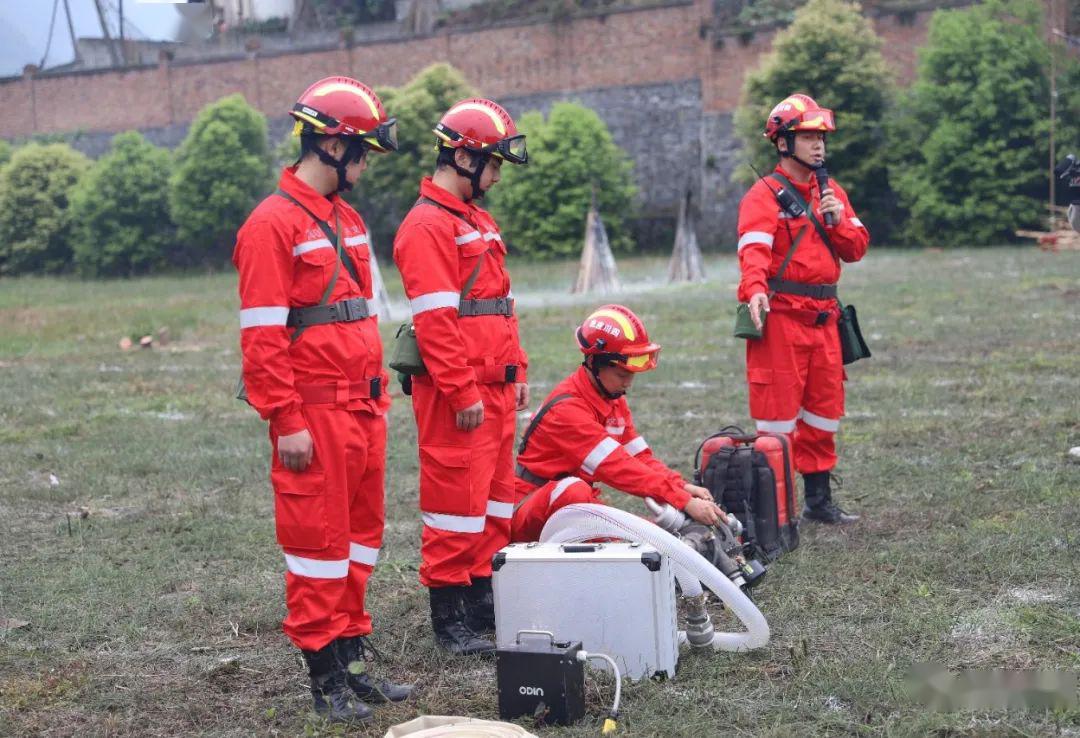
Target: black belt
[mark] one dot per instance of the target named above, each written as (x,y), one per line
(820,291)
(345,311)
(491,306)
(525,475)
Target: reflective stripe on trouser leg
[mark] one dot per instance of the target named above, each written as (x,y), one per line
(366,465)
(530,517)
(310,511)
(822,406)
(499,443)
(453,507)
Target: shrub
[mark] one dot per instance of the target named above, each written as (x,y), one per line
(222,169)
(969,140)
(120,210)
(35,218)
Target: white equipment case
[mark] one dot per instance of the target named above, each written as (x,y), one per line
(616,598)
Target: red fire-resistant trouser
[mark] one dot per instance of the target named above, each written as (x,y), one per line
(329,521)
(796,378)
(536,504)
(466,483)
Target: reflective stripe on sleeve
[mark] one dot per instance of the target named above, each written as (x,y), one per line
(363,554)
(492,236)
(467,238)
(755,237)
(561,487)
(636,446)
(434,301)
(306,246)
(500,509)
(776,426)
(816,421)
(356,240)
(600,452)
(257,316)
(857,222)
(455,523)
(317,568)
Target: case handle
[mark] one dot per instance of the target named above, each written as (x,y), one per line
(547,633)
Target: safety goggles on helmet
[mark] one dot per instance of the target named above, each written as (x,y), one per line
(820,119)
(512,149)
(642,363)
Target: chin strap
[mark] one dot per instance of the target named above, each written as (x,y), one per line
(353,150)
(789,137)
(473,177)
(590,364)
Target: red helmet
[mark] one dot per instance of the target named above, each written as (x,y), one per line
(798,113)
(483,126)
(341,106)
(616,336)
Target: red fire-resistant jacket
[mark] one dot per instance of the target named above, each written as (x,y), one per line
(766,233)
(285,261)
(593,438)
(436,249)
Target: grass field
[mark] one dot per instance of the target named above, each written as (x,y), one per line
(137,540)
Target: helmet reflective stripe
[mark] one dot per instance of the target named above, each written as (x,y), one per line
(342,87)
(797,103)
(626,326)
(499,125)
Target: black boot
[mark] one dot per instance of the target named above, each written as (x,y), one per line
(448,622)
(353,652)
(820,507)
(480,605)
(329,687)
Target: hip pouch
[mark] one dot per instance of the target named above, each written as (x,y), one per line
(406,358)
(852,343)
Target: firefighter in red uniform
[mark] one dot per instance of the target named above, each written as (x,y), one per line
(584,434)
(795,370)
(312,367)
(452,263)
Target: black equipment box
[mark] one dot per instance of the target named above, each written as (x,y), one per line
(541,678)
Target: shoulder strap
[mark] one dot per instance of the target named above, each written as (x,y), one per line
(809,213)
(791,252)
(422,200)
(537,418)
(331,235)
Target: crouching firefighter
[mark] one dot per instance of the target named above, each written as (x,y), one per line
(584,434)
(452,262)
(312,367)
(794,230)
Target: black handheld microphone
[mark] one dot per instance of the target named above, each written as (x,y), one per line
(822,175)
